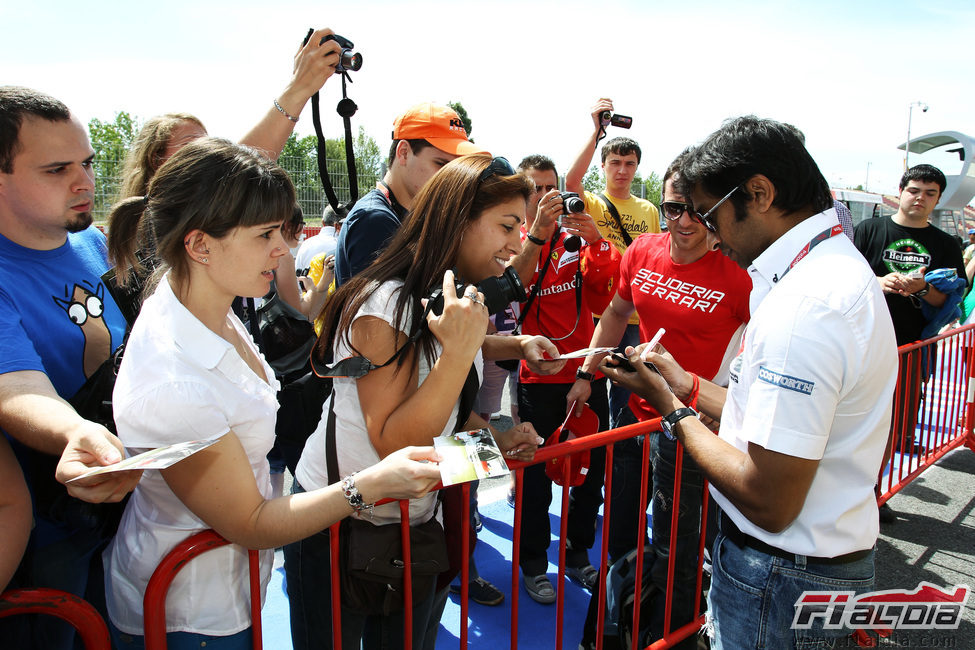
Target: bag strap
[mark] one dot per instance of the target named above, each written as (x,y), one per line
(616,217)
(331,458)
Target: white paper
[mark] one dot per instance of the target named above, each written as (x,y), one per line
(584,352)
(160,458)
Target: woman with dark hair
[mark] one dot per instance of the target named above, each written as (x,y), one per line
(464,227)
(191,372)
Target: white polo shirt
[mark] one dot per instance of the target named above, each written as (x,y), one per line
(814,379)
(179,381)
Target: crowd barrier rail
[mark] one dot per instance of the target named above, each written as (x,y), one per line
(77,612)
(154,602)
(944,366)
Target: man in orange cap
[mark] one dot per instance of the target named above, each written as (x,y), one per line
(425,138)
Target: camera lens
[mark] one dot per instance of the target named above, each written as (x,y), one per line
(574,204)
(500,291)
(351,61)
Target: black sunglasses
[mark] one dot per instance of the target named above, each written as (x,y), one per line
(705,219)
(672,210)
(499,166)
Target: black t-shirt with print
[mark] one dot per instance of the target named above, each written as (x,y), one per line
(890,247)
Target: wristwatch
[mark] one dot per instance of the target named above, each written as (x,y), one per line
(923,292)
(669,421)
(586,376)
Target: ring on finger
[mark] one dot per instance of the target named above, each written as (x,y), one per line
(475,300)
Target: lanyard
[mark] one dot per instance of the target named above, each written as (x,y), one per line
(813,243)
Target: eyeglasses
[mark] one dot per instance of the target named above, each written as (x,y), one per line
(499,166)
(672,210)
(705,219)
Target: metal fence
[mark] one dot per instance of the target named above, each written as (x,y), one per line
(303,172)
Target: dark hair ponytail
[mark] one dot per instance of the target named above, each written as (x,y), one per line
(125,237)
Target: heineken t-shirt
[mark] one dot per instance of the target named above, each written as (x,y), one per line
(890,248)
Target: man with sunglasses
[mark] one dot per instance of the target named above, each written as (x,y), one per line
(676,281)
(620,216)
(561,263)
(805,416)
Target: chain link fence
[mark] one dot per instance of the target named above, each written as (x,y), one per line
(303,172)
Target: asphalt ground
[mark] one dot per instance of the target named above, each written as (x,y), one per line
(933,540)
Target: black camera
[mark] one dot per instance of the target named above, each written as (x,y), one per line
(499,292)
(609,119)
(348,60)
(572,203)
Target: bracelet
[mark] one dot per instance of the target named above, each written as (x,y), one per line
(352,494)
(538,241)
(284,112)
(920,293)
(695,391)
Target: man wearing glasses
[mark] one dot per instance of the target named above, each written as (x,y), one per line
(804,419)
(620,216)
(676,281)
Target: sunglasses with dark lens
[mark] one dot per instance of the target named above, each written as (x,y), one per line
(674,209)
(499,166)
(705,219)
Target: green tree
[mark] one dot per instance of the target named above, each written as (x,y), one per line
(110,141)
(593,180)
(652,188)
(464,117)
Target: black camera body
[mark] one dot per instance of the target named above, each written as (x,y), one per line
(571,203)
(348,60)
(499,292)
(608,118)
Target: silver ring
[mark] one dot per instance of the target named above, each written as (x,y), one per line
(471,295)
(473,299)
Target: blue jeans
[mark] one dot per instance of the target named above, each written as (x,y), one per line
(619,396)
(243,640)
(752,596)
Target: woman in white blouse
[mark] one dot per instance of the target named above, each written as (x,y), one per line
(190,372)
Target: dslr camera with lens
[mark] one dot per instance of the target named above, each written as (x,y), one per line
(499,292)
(572,203)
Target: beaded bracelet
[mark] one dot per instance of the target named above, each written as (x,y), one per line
(284,112)
(352,494)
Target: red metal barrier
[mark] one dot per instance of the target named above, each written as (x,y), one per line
(154,602)
(933,406)
(944,420)
(79,613)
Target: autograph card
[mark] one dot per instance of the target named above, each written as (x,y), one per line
(468,456)
(160,458)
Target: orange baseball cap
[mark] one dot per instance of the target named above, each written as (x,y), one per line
(438,125)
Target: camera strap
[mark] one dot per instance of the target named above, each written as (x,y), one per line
(627,239)
(577,283)
(346,108)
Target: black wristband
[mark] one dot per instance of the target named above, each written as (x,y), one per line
(535,240)
(923,292)
(586,376)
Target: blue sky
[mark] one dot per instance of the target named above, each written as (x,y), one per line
(843,72)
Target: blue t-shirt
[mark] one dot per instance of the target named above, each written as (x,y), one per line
(371,223)
(56,314)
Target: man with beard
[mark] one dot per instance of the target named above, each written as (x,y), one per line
(59,325)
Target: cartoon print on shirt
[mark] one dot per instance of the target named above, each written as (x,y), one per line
(85,309)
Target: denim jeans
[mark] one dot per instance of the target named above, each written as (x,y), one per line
(753,594)
(243,640)
(544,406)
(619,396)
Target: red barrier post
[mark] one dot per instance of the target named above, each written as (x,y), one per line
(79,613)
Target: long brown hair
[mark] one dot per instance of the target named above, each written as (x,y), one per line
(426,245)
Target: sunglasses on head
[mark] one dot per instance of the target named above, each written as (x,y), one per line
(705,219)
(499,166)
